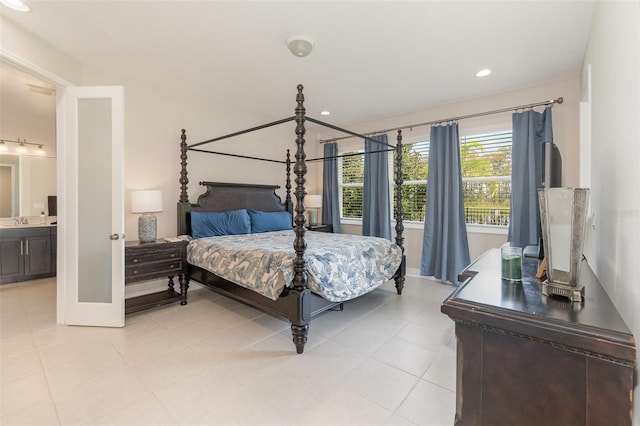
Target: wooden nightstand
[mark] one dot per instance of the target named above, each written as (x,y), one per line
(147,261)
(321,228)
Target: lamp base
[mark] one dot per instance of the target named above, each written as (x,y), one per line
(147,228)
(575,294)
(313,217)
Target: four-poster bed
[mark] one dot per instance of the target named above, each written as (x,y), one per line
(295,301)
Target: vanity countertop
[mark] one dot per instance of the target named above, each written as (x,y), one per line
(9,225)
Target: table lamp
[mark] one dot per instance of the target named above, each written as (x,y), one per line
(563,213)
(146,202)
(313,203)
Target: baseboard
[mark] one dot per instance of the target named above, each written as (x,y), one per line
(415,273)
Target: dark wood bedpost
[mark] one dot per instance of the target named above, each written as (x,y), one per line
(300,324)
(183,203)
(287,185)
(399,214)
(183,207)
(184,180)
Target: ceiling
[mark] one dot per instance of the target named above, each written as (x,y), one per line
(371,58)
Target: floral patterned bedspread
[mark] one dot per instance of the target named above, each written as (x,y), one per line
(340,266)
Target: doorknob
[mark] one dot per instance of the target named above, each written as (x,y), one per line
(114,237)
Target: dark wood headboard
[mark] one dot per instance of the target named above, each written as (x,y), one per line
(224,196)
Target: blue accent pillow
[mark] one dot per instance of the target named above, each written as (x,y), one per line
(269,221)
(212,224)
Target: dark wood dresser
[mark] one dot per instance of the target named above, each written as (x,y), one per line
(147,261)
(527,359)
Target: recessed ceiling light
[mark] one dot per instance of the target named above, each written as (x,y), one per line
(16,5)
(483,72)
(325,112)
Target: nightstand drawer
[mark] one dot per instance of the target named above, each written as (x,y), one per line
(142,254)
(321,228)
(150,270)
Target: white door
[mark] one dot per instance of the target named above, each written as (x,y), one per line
(90,123)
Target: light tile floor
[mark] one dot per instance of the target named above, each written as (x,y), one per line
(384,360)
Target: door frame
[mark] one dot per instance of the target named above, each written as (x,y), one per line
(60,83)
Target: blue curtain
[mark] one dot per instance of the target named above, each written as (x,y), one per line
(530,129)
(376,211)
(330,188)
(445,250)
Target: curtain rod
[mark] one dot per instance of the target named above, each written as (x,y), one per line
(462,117)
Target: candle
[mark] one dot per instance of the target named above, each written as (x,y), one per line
(512,263)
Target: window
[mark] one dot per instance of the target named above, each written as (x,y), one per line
(351,183)
(415,161)
(486,179)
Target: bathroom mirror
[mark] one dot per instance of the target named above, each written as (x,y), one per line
(28,110)
(25,184)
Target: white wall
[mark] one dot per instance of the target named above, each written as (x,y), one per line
(613,53)
(39,53)
(565,128)
(154,117)
(26,114)
(153,121)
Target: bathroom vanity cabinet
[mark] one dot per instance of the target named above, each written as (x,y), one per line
(27,253)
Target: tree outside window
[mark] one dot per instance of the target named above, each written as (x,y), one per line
(486,179)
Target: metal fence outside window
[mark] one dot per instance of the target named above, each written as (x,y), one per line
(486,200)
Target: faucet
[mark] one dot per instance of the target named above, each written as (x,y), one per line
(21,221)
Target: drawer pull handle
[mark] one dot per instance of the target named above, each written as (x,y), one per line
(135,260)
(135,272)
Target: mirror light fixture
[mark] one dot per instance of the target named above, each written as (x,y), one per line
(146,202)
(299,45)
(22,146)
(16,5)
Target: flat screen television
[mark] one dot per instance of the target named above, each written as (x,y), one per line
(551,178)
(52,205)
(551,166)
